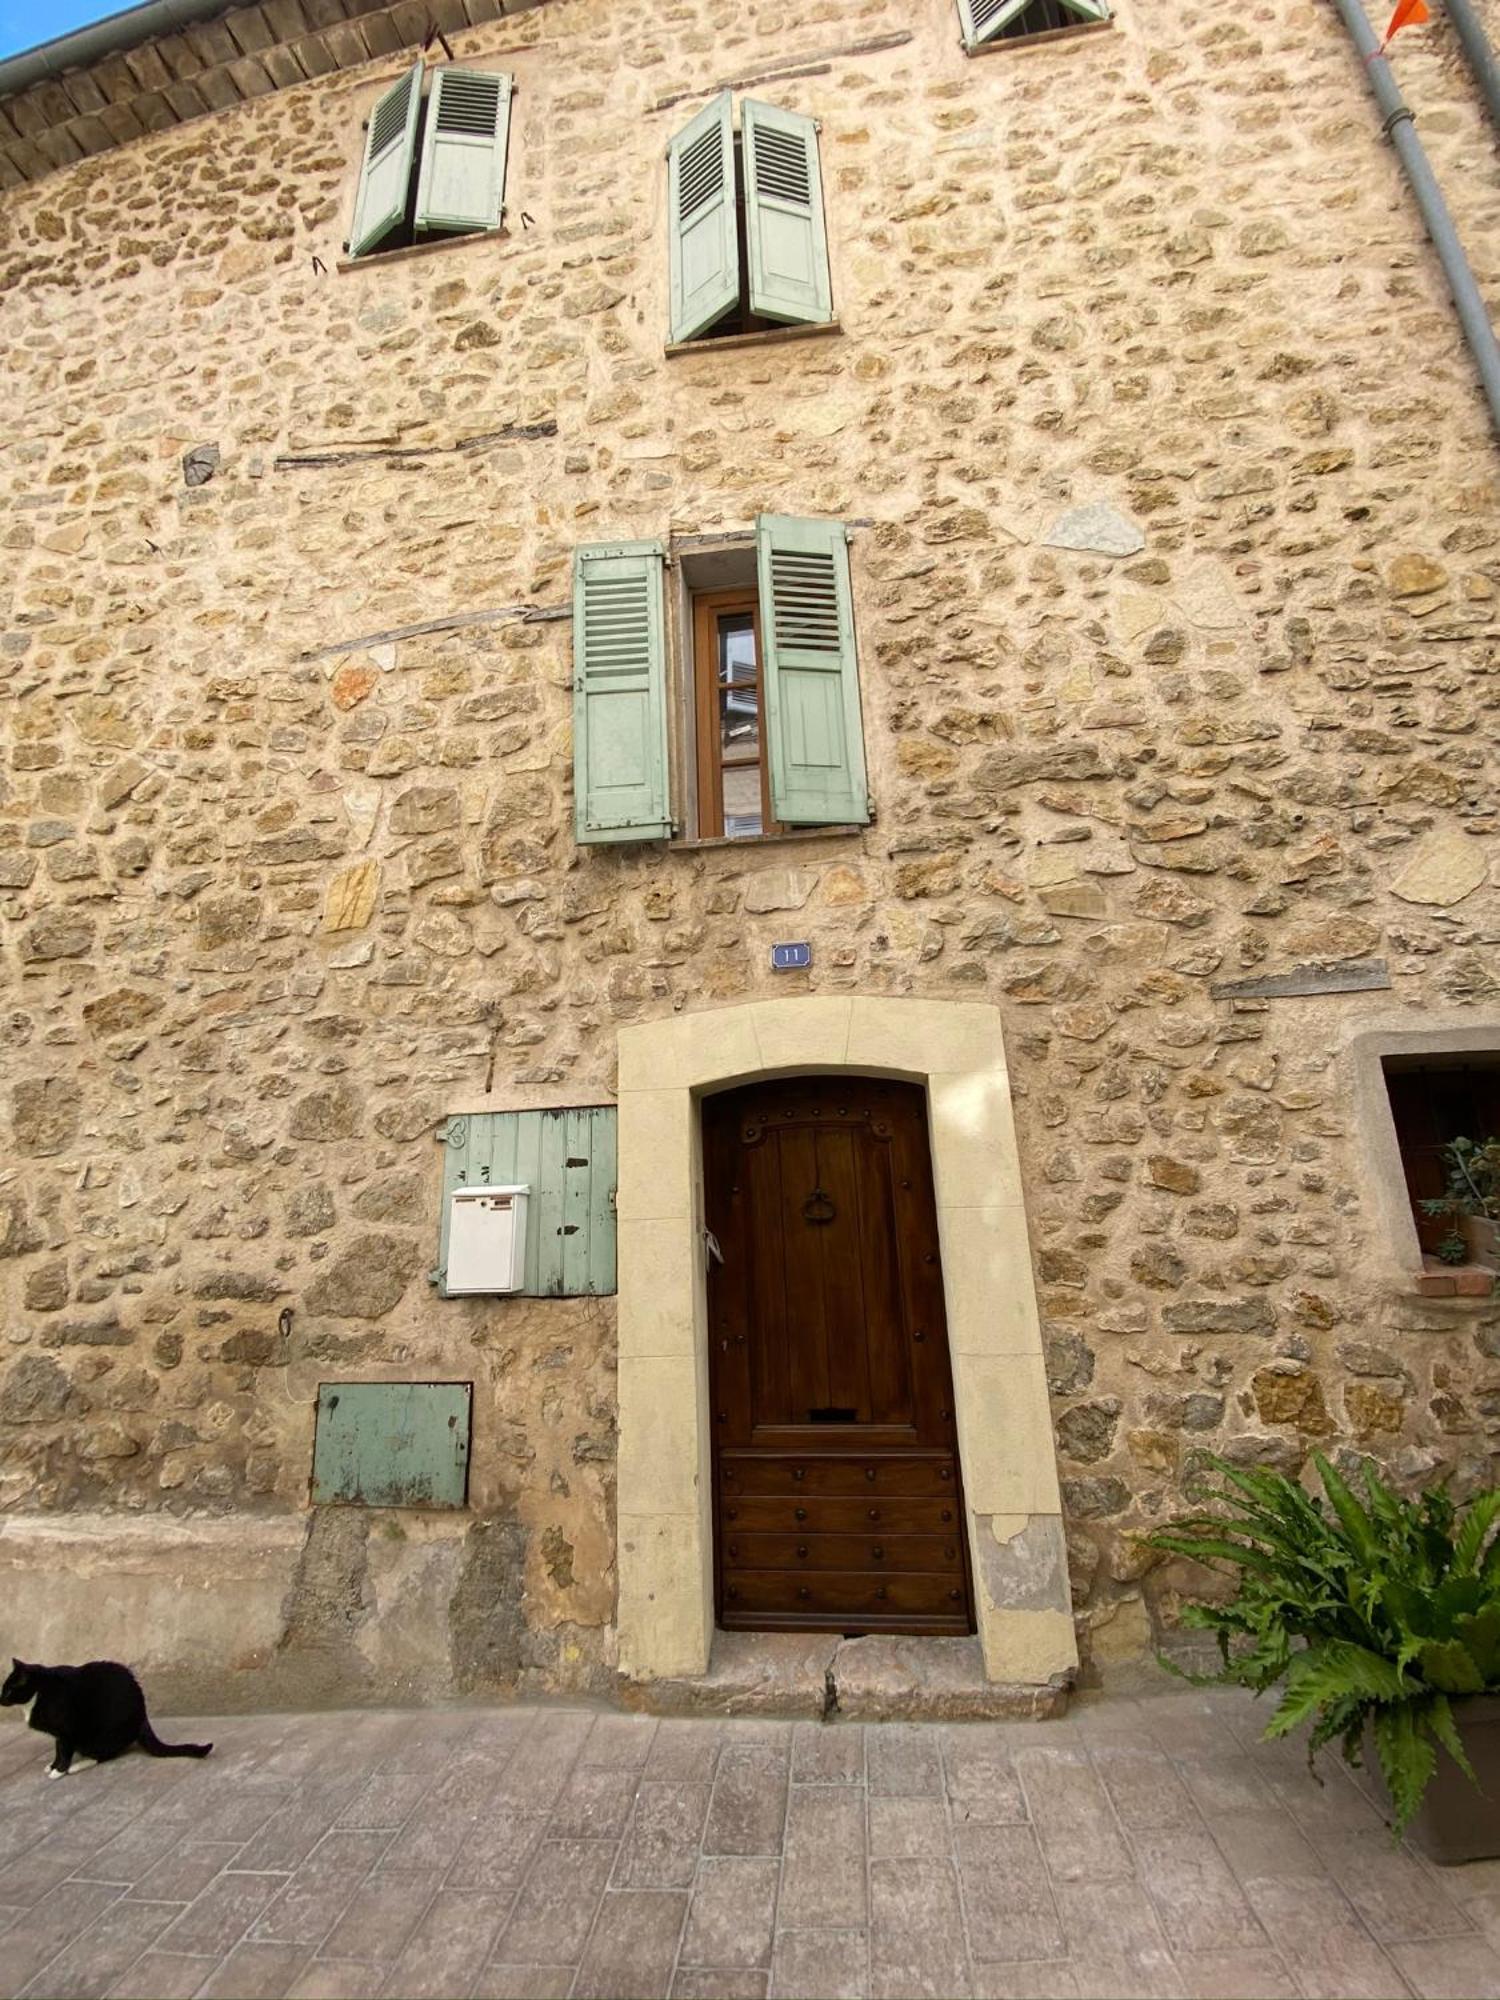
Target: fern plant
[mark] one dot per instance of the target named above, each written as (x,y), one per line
(1377,1611)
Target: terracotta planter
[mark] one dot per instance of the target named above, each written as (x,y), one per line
(1483,1238)
(1456,1822)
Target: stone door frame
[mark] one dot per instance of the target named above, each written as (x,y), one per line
(956,1051)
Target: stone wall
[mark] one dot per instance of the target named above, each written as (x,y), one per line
(1175,586)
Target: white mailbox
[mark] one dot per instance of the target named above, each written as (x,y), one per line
(486,1239)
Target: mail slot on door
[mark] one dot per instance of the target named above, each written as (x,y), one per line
(487,1239)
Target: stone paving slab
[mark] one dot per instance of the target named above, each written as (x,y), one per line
(1150,1846)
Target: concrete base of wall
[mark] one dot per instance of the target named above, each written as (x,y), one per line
(337,1607)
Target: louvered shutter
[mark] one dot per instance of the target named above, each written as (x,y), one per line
(983,19)
(385,177)
(462,180)
(705,248)
(620,694)
(784,229)
(809,673)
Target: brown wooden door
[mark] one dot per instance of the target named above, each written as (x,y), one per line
(837,1504)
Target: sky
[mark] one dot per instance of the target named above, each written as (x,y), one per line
(24,23)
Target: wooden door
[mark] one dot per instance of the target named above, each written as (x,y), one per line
(837,1501)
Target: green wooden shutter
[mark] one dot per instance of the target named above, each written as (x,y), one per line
(385,177)
(462,180)
(620,693)
(784,229)
(705,249)
(983,19)
(809,673)
(568,1160)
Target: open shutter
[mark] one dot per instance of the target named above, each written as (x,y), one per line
(809,673)
(385,177)
(620,693)
(784,229)
(983,19)
(462,181)
(705,253)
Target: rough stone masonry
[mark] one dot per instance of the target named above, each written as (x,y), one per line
(1175,597)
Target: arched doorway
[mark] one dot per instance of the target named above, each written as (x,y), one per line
(1011,1514)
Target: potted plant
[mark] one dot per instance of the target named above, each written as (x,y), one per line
(1471,1205)
(1381,1618)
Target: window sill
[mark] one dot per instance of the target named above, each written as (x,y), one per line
(1456,1284)
(773,338)
(760,840)
(1018,44)
(438,243)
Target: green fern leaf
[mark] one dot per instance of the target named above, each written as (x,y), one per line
(1440,1722)
(1448,1665)
(1481,1635)
(1470,1539)
(1353,1519)
(1407,1758)
(1334,1672)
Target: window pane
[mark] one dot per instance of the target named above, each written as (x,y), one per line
(739,704)
(739,724)
(741,800)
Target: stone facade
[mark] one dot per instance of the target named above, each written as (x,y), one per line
(1175,563)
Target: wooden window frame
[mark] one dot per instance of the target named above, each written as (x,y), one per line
(708,605)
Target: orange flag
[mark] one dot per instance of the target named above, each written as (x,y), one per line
(1407,12)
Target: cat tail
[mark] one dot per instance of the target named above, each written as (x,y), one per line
(152,1744)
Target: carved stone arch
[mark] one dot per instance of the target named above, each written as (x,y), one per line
(956,1050)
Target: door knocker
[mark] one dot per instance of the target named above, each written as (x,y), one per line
(818,1207)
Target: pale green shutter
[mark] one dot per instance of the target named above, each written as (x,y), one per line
(784,228)
(705,248)
(983,19)
(809,673)
(385,177)
(620,694)
(462,180)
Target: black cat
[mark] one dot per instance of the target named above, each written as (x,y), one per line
(96,1712)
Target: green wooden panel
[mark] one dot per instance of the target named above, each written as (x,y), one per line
(785,238)
(810,675)
(620,768)
(385,177)
(392,1444)
(704,255)
(567,1159)
(461,183)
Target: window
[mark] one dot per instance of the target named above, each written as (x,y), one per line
(1015,20)
(749,249)
(433,166)
(772,724)
(1435,1100)
(734,789)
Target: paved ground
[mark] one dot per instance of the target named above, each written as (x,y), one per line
(1139,1847)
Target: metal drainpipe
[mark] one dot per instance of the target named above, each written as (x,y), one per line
(1476,46)
(1473,315)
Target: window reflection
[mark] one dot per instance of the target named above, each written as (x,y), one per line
(739,726)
